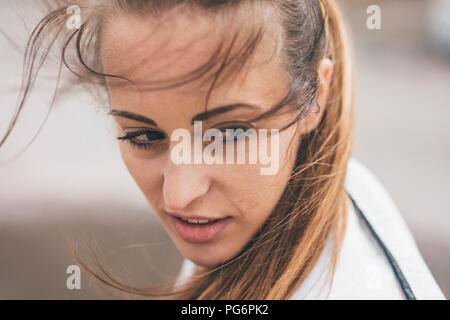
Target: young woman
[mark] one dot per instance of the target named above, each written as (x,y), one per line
(318,225)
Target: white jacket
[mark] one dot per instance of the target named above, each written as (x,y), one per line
(363,269)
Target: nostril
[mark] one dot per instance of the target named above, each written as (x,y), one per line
(183,185)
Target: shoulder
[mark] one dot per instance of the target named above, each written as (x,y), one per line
(385,218)
(186,271)
(363,270)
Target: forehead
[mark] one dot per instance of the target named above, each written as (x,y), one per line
(149,50)
(155,48)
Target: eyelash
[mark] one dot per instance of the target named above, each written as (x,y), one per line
(234,127)
(146,145)
(128,137)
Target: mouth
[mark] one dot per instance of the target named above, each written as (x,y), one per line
(198,230)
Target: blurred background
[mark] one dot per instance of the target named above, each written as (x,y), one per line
(71,184)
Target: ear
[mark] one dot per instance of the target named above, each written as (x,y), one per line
(325,73)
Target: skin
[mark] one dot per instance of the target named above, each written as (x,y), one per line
(214,191)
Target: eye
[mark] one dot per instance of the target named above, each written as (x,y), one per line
(233,132)
(142,138)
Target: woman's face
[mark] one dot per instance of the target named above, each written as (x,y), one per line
(238,196)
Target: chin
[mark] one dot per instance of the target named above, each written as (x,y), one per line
(205,255)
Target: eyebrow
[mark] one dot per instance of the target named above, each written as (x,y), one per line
(217,111)
(133,116)
(199,117)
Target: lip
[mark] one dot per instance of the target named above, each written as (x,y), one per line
(198,233)
(185,216)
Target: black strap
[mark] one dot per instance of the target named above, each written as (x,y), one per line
(397,271)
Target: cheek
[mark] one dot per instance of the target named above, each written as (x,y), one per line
(145,172)
(257,200)
(256,195)
(252,194)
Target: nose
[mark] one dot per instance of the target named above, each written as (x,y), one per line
(183,184)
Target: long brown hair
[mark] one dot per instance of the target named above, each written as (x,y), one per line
(313,207)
